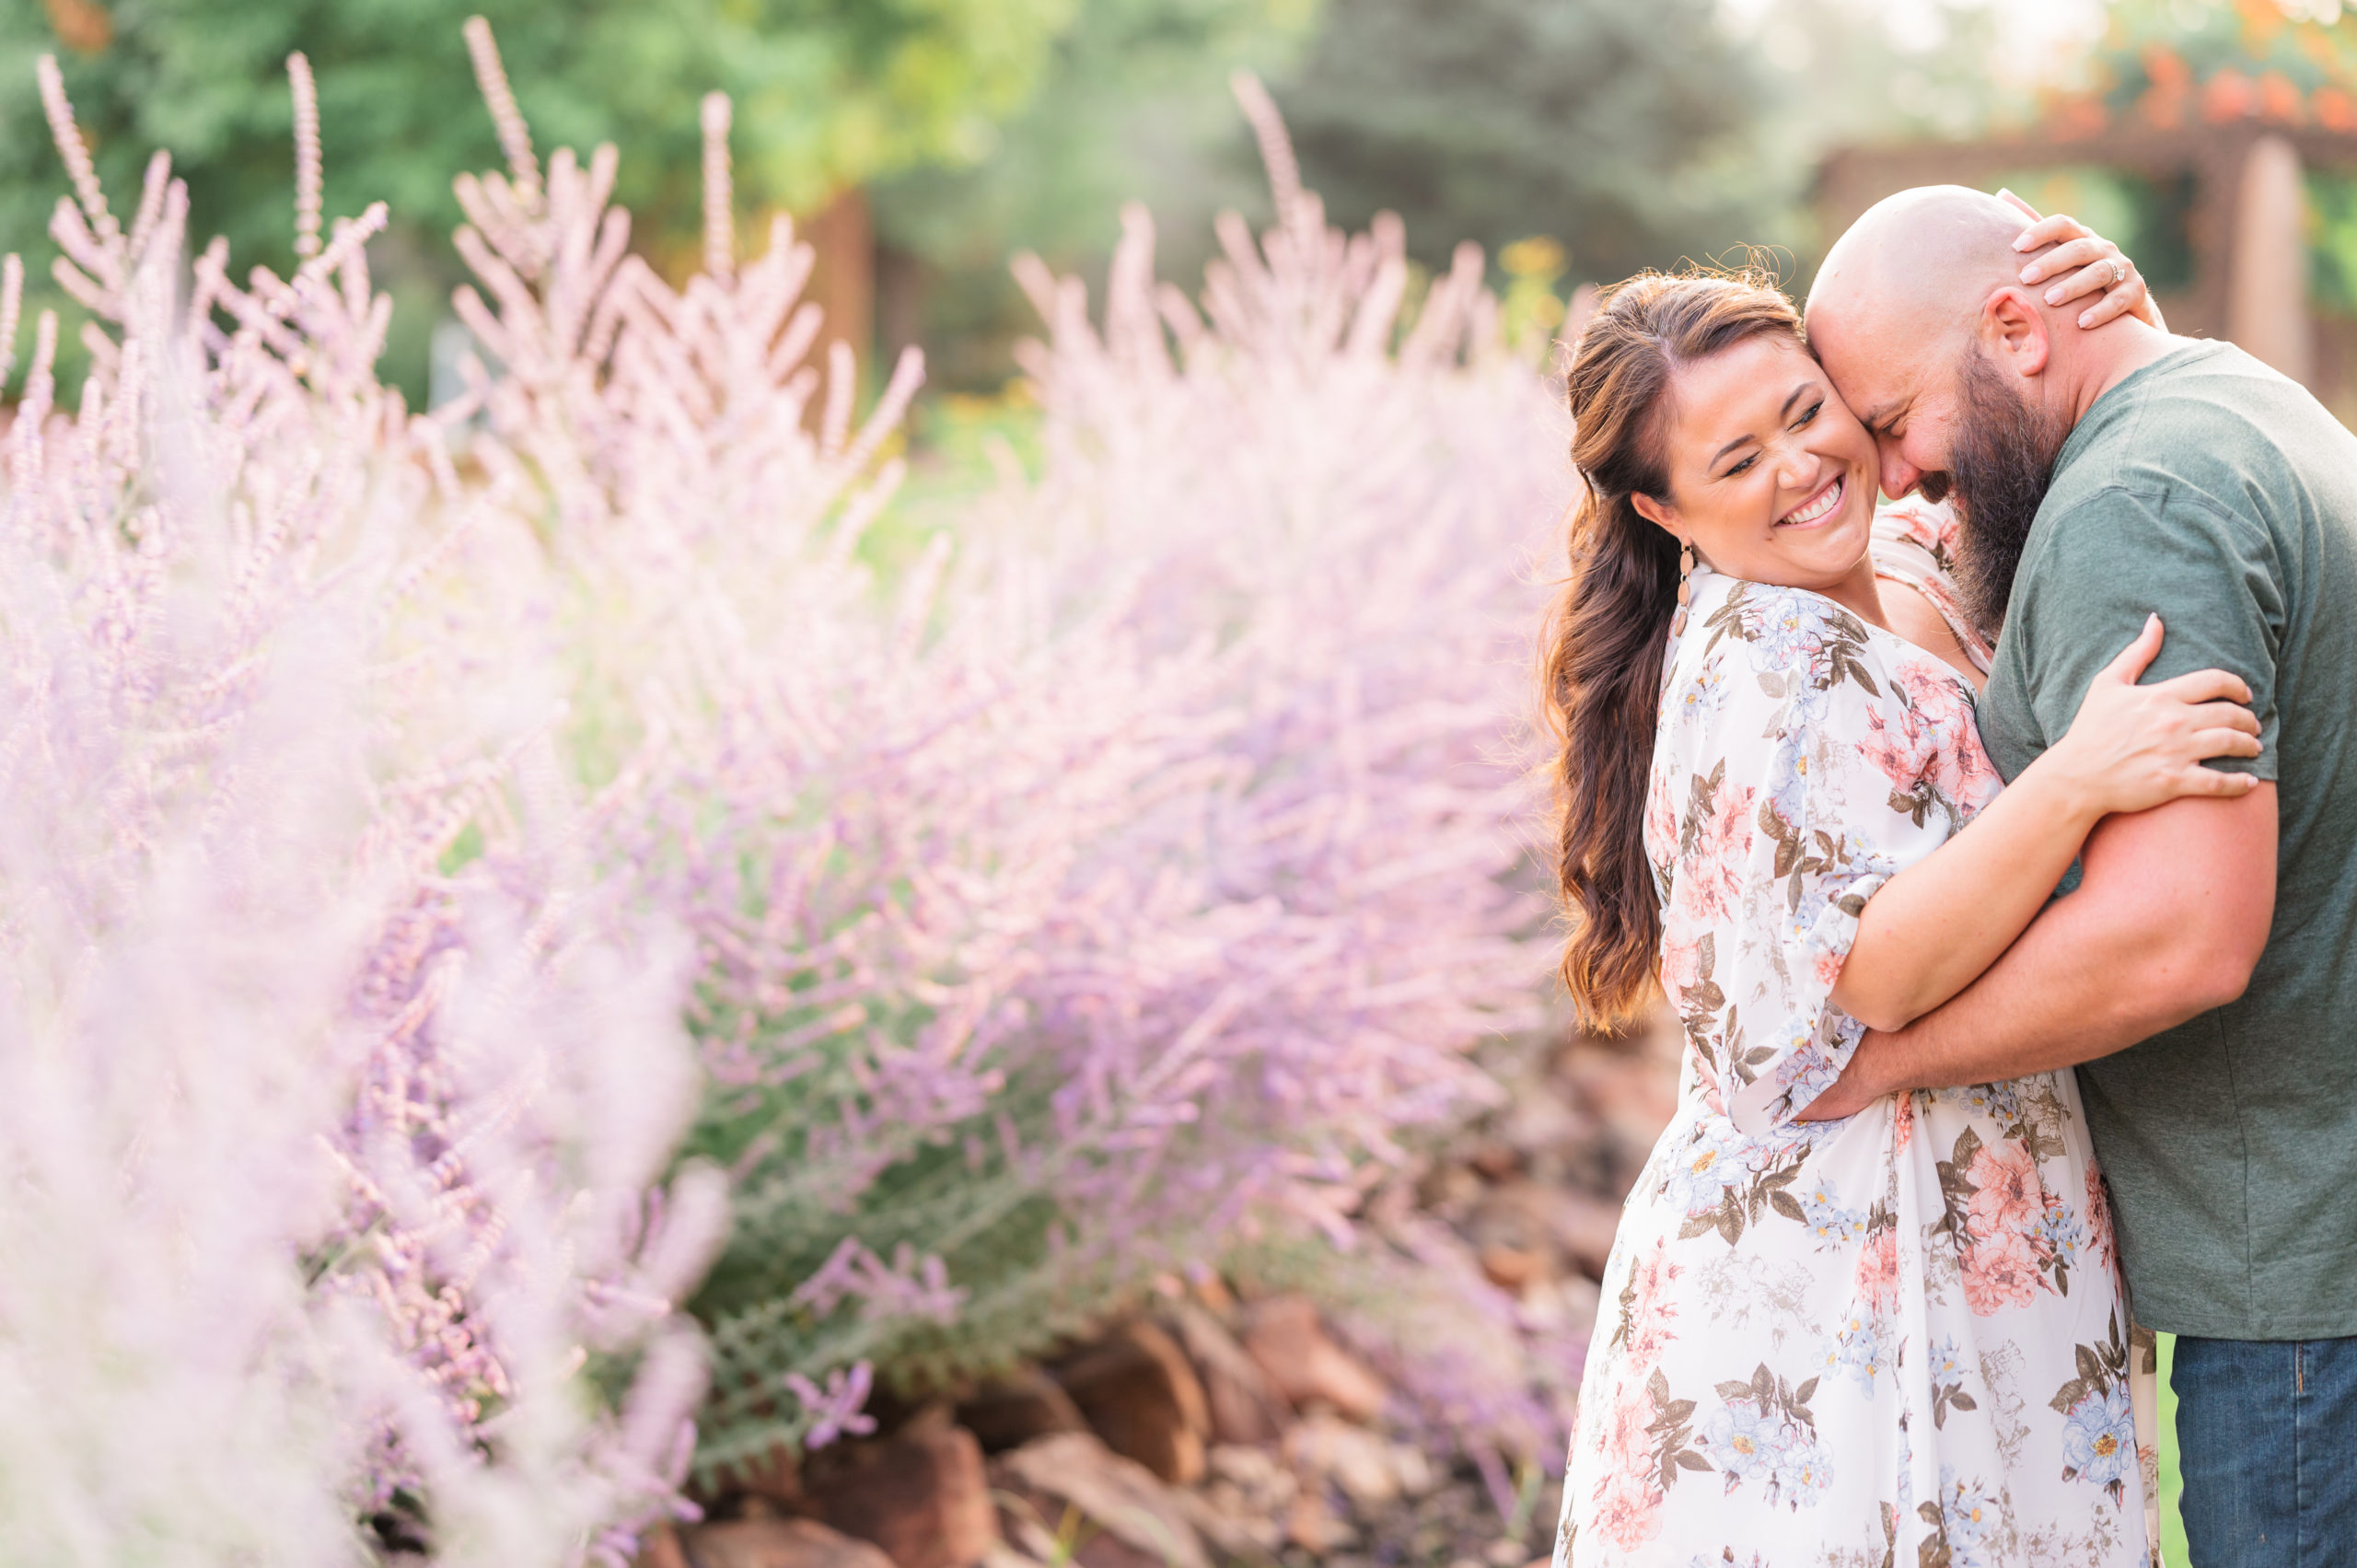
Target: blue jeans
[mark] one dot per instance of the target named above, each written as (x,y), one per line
(2266,1431)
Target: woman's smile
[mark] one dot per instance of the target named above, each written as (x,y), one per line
(1825,504)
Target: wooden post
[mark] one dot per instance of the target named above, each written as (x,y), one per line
(2267,306)
(843,281)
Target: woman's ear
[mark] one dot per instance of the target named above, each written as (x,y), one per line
(1653,512)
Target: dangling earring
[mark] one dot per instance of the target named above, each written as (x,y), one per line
(1684,590)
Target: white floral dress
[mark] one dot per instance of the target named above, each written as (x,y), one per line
(1896,1340)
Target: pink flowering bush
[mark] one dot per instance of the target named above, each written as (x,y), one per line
(444,844)
(331,1219)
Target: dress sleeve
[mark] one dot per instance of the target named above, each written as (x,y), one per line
(1813,770)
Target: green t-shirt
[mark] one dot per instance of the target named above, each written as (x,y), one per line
(2219,493)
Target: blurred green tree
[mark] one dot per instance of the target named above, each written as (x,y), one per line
(1135,106)
(1621,127)
(829,94)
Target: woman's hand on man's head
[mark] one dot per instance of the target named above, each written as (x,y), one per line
(2082,263)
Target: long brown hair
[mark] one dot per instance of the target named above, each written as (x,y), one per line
(1609,627)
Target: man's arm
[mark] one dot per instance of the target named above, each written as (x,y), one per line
(2169,919)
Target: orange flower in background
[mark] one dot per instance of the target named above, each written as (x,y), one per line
(2165,101)
(2262,20)
(2227,96)
(2078,116)
(2334,110)
(2279,99)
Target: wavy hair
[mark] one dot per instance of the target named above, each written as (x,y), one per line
(1609,630)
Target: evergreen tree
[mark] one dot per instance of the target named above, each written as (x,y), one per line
(1617,126)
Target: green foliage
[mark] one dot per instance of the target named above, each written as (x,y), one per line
(1134,107)
(2332,242)
(1614,124)
(829,94)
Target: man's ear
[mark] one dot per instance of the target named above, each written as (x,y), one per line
(2014,330)
(1653,512)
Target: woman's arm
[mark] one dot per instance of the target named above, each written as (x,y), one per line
(1930,929)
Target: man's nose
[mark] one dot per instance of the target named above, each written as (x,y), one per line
(1898,475)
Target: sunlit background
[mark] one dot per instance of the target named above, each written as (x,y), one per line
(587,849)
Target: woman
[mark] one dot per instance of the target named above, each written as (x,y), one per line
(1895,1339)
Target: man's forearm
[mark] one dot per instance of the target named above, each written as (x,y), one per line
(2169,923)
(2069,991)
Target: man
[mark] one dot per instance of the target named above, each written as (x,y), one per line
(2202,976)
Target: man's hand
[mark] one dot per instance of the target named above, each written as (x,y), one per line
(1859,1086)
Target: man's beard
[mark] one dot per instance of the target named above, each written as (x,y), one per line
(2001,460)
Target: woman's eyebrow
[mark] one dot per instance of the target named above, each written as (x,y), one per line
(1739,441)
(1796,395)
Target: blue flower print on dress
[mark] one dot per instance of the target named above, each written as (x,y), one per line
(2099,1443)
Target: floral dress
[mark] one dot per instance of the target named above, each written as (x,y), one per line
(1895,1340)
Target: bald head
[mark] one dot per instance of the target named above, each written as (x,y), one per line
(1920,263)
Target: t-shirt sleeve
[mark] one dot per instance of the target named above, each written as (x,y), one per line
(2118,556)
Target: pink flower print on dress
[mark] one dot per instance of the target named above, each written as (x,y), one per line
(2011,1197)
(1646,1308)
(1900,748)
(2000,1272)
(1929,529)
(1681,960)
(1957,766)
(2099,1236)
(1878,1269)
(1627,1500)
(1661,821)
(1712,876)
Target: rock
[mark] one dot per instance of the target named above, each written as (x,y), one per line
(1520,1216)
(1242,1507)
(779,1544)
(1496,1161)
(1141,1395)
(1450,1192)
(1370,1470)
(774,1477)
(660,1550)
(1243,1407)
(919,1494)
(1585,1226)
(1566,1306)
(1284,1335)
(1548,1222)
(1005,1556)
(1134,1521)
(1515,1269)
(1324,1448)
(1312,1525)
(1009,1411)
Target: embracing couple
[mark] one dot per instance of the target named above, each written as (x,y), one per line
(2050,764)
